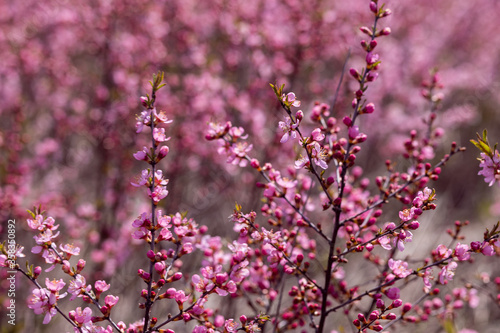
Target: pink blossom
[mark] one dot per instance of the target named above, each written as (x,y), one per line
(392,293)
(143,179)
(462,252)
(78,286)
(318,155)
(289,128)
(301,162)
(238,153)
(447,272)
(237,133)
(161,117)
(406,214)
(426,277)
(42,301)
(399,268)
(385,242)
(422,196)
(488,249)
(159,193)
(291,99)
(405,236)
(217,130)
(142,155)
(491,167)
(200,284)
(317,135)
(231,326)
(101,286)
(111,300)
(159,135)
(80,316)
(442,251)
(180,297)
(70,249)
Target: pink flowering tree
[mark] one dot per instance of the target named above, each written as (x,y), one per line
(323,249)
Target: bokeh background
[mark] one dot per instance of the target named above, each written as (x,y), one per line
(71,74)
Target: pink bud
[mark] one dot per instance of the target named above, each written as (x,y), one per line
(386,12)
(407,307)
(37,271)
(254,163)
(373,315)
(396,303)
(347,121)
(80,265)
(354,73)
(369,108)
(385,31)
(299,115)
(380,304)
(219,321)
(163,152)
(366,30)
(373,7)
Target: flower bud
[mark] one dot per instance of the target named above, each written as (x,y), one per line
(369,108)
(37,271)
(163,152)
(299,115)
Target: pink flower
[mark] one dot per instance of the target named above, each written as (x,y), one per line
(111,300)
(159,135)
(488,249)
(301,162)
(161,117)
(41,224)
(491,167)
(200,284)
(159,193)
(101,286)
(82,317)
(404,237)
(371,58)
(385,242)
(231,326)
(318,155)
(426,277)
(442,251)
(143,119)
(217,130)
(42,301)
(237,133)
(70,249)
(143,179)
(291,99)
(238,152)
(142,155)
(462,252)
(78,286)
(421,197)
(180,297)
(447,272)
(316,135)
(399,268)
(289,128)
(55,285)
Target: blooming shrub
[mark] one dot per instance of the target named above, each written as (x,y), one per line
(294,258)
